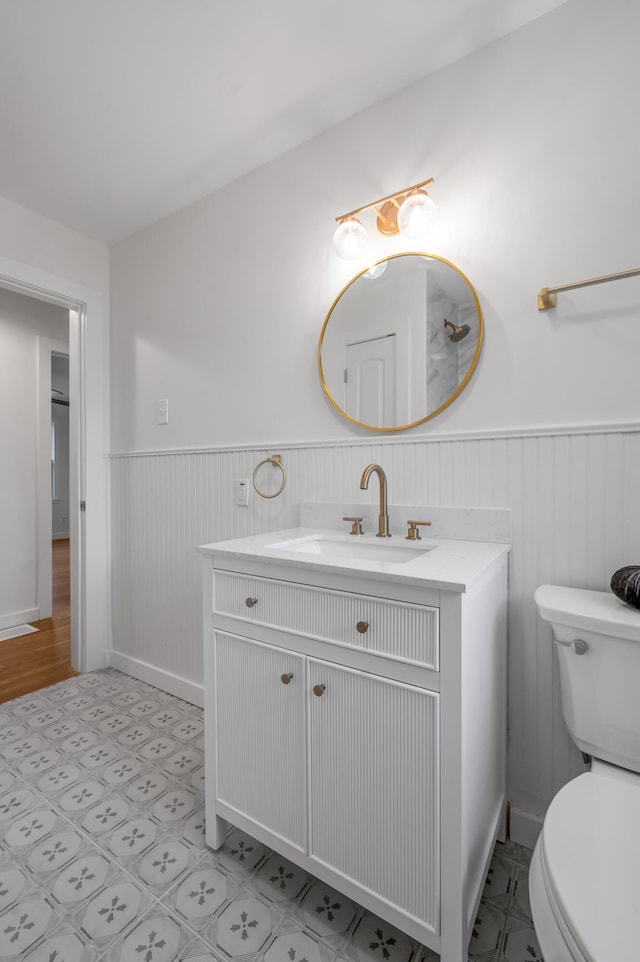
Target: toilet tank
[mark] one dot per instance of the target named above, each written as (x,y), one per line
(600,687)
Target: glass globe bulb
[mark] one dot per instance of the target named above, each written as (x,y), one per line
(376,270)
(415,213)
(349,239)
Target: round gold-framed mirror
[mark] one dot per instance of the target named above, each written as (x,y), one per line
(400,341)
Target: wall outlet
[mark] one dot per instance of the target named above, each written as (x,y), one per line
(162,411)
(242,492)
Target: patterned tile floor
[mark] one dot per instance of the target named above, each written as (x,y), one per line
(102,852)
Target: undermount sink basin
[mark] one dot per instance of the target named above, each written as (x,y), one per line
(355,549)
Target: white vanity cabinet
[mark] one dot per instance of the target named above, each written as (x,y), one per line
(356,724)
(374,786)
(260,735)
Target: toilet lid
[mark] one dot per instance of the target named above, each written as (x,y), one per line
(591,853)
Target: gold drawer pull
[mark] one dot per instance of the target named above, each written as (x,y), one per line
(363,627)
(319,690)
(286,678)
(250,602)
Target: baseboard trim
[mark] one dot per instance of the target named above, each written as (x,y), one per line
(524,828)
(165,680)
(19,617)
(60,536)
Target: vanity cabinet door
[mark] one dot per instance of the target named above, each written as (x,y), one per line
(374,785)
(260,734)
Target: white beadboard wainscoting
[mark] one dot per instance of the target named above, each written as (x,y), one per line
(575,502)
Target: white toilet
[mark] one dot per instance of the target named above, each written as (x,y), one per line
(584,880)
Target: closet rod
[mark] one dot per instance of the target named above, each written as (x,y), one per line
(547,295)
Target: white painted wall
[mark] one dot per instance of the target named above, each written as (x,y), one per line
(535,162)
(22,320)
(219,307)
(42,243)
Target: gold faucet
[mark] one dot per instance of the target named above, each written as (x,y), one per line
(383,519)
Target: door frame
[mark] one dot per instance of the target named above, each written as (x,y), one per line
(88,433)
(47,347)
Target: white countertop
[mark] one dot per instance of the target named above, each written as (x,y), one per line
(444,564)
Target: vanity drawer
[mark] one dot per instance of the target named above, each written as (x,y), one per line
(396,629)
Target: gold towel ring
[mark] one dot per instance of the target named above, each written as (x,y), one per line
(276,461)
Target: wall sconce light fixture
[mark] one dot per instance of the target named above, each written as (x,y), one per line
(407,212)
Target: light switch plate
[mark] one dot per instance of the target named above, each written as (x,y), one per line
(162,411)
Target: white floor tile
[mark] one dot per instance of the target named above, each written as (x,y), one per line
(103,855)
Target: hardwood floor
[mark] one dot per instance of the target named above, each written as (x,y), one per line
(31,662)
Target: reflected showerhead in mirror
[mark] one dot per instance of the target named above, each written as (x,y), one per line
(457,333)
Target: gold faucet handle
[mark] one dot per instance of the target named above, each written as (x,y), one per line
(413,534)
(356,527)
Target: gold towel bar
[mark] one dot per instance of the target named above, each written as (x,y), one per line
(547,295)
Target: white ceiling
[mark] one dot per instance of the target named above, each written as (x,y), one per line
(115,113)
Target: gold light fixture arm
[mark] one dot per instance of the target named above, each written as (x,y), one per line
(547,295)
(395,199)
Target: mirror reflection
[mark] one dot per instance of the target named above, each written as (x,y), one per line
(400,342)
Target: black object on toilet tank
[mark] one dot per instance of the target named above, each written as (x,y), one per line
(625,584)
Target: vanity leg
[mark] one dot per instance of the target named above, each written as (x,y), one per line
(216,832)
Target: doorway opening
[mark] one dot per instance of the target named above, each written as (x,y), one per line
(86,314)
(35,403)
(41,602)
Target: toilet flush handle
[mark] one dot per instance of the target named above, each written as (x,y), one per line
(578,646)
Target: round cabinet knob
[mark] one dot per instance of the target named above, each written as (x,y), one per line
(319,690)
(579,646)
(250,602)
(363,627)
(286,678)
